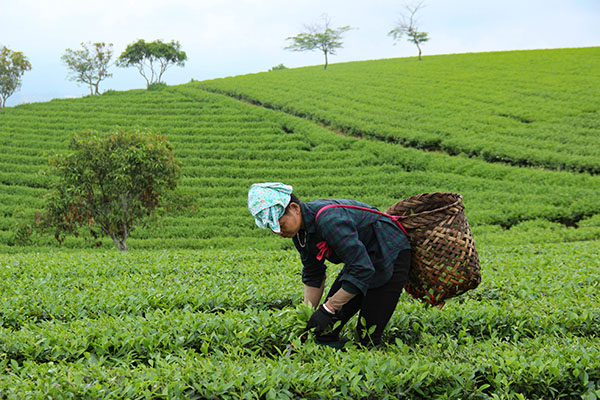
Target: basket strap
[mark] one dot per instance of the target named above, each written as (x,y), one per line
(325,251)
(395,218)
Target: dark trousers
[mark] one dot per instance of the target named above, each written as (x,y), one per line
(376,306)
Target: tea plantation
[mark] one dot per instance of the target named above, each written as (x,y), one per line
(503,106)
(205,305)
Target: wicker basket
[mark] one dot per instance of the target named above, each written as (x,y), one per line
(445,263)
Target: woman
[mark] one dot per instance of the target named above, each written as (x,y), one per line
(373,247)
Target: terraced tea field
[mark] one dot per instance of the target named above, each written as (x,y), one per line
(536,108)
(204,305)
(225,145)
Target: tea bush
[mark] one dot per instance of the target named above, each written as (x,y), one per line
(217,324)
(224,146)
(206,305)
(515,107)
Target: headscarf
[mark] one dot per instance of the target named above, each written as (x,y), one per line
(267,202)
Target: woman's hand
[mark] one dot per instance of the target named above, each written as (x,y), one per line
(320,320)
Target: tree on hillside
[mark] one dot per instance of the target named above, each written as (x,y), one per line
(109,184)
(319,36)
(408,26)
(90,64)
(13,65)
(152,58)
(278,67)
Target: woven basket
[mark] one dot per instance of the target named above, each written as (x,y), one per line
(445,263)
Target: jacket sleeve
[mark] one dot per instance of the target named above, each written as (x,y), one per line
(339,231)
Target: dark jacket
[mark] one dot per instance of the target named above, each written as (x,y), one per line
(367,243)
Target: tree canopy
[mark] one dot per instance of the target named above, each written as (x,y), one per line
(90,64)
(13,65)
(109,184)
(319,36)
(152,58)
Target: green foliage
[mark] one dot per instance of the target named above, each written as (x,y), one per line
(89,65)
(13,64)
(502,107)
(225,145)
(109,182)
(278,67)
(152,59)
(176,323)
(23,228)
(157,86)
(319,37)
(217,324)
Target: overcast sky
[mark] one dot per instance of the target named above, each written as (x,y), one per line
(235,37)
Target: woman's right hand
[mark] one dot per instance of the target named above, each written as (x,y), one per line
(320,320)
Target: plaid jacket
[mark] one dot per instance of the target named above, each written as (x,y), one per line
(367,244)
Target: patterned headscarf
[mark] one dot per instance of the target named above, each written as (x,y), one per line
(267,203)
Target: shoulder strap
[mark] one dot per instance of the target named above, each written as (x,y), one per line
(393,217)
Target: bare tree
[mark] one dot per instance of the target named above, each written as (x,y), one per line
(408,25)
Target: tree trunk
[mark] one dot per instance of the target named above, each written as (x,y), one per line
(419,47)
(141,71)
(120,243)
(326,61)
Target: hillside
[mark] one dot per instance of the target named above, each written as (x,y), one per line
(537,108)
(225,145)
(205,305)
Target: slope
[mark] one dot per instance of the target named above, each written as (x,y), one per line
(225,145)
(526,108)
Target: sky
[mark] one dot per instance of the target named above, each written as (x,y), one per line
(236,37)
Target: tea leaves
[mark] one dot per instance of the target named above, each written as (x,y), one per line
(530,328)
(206,306)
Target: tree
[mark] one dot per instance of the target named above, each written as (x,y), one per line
(89,65)
(111,183)
(319,37)
(408,26)
(13,65)
(278,67)
(148,56)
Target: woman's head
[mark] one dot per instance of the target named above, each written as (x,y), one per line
(270,202)
(291,221)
